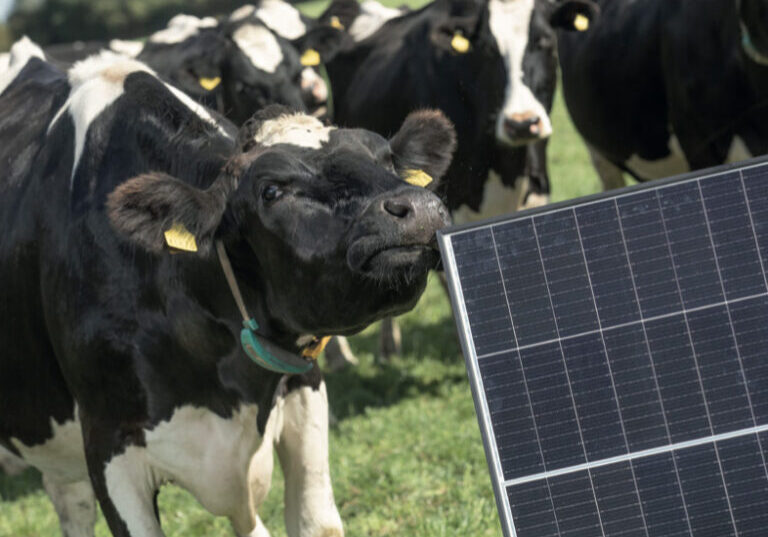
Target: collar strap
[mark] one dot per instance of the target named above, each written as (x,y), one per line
(750,48)
(262,352)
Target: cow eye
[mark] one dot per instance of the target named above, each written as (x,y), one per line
(271,193)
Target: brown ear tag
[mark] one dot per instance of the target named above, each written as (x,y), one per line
(210,84)
(310,58)
(336,23)
(417,178)
(459,43)
(179,239)
(581,22)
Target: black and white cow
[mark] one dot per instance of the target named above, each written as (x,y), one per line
(658,88)
(234,66)
(121,365)
(490,65)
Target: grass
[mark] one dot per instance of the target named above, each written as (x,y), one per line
(406,453)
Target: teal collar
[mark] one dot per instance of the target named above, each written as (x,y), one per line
(262,352)
(750,48)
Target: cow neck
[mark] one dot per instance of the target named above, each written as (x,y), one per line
(263,352)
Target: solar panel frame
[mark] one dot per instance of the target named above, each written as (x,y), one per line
(456,292)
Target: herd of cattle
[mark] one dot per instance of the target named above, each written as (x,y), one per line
(121,367)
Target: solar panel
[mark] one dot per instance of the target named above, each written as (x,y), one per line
(617,348)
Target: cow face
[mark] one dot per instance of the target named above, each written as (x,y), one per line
(192,61)
(524,34)
(319,219)
(753,19)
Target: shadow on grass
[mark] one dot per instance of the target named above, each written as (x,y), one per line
(431,361)
(15,487)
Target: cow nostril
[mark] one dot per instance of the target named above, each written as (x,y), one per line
(397,208)
(522,125)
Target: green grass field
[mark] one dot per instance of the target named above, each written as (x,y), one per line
(406,453)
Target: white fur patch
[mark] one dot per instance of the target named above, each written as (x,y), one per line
(204,453)
(260,45)
(126,48)
(297,129)
(282,18)
(242,13)
(62,457)
(738,151)
(372,16)
(674,164)
(5,60)
(498,199)
(182,27)
(75,503)
(510,25)
(22,51)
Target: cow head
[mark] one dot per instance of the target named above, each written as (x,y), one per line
(313,41)
(523,34)
(753,20)
(320,220)
(191,54)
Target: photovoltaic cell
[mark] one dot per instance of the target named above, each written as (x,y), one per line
(618,353)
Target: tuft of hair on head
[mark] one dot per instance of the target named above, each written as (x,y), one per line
(426,141)
(277,124)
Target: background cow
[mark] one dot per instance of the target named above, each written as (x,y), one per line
(121,368)
(658,88)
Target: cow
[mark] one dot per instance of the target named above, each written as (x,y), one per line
(167,278)
(659,88)
(234,66)
(490,65)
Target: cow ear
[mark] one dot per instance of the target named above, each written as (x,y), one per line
(340,14)
(159,212)
(574,15)
(325,41)
(423,148)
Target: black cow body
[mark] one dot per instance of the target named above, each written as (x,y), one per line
(658,88)
(121,365)
(497,91)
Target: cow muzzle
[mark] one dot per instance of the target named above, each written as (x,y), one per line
(524,128)
(397,232)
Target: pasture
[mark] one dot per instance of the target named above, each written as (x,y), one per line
(406,453)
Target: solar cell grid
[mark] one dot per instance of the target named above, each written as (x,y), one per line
(617,348)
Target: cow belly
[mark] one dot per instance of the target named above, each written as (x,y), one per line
(673,164)
(62,457)
(498,199)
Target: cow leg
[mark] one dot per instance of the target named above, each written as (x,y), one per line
(124,482)
(390,339)
(75,505)
(338,354)
(310,510)
(610,175)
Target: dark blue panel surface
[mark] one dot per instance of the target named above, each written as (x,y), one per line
(566,273)
(553,406)
(526,286)
(511,415)
(622,350)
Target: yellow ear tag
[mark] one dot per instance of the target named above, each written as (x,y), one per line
(417,178)
(310,58)
(336,23)
(460,43)
(179,238)
(314,350)
(210,83)
(581,22)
